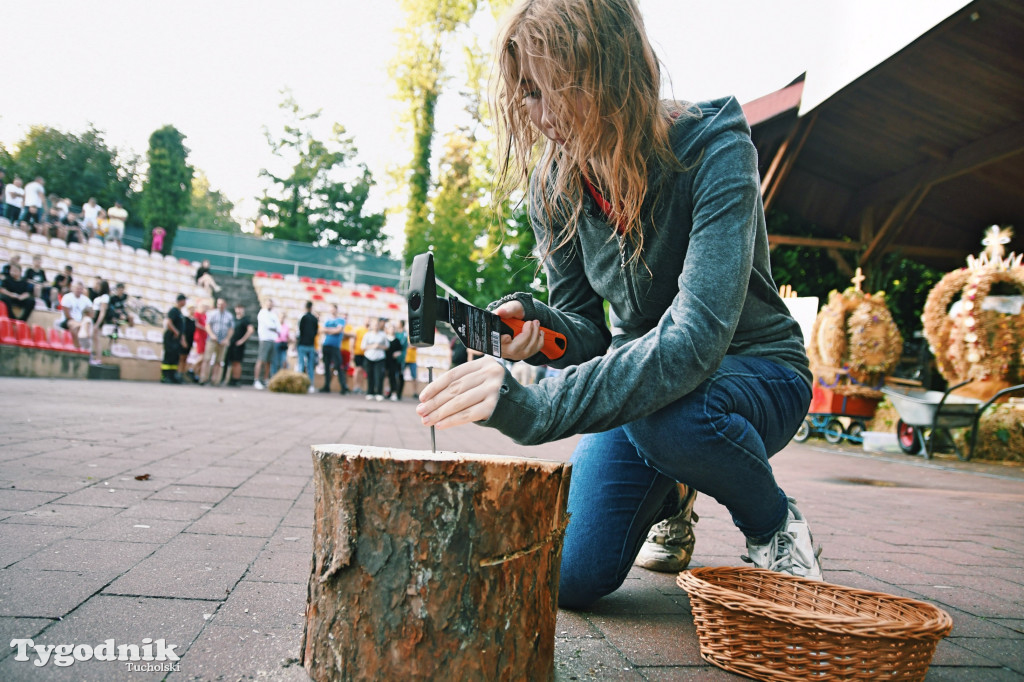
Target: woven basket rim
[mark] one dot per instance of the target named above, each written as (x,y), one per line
(937,626)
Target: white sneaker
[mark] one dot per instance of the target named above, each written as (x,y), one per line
(258,385)
(669,544)
(311,390)
(394,398)
(791,550)
(369,397)
(379,397)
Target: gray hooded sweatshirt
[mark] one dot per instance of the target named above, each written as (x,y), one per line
(702,290)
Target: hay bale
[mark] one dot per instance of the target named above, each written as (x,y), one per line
(289,381)
(1000,434)
(885,418)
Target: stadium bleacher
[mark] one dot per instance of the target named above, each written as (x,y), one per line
(154,279)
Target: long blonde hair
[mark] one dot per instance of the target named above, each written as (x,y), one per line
(599,76)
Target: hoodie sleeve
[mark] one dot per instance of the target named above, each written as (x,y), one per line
(693,335)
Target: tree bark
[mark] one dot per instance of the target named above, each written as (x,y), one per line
(433,566)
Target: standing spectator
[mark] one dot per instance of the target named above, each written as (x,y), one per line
(393,362)
(412,369)
(308,327)
(16,293)
(91,214)
(37,277)
(219,324)
(14,200)
(101,311)
(116,215)
(284,336)
(74,307)
(158,240)
(205,279)
(174,332)
(375,347)
(333,335)
(187,339)
(266,332)
(62,284)
(35,197)
(199,340)
(236,349)
(359,375)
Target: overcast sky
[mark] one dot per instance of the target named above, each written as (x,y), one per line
(215,69)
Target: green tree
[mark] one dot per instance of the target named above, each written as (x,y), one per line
(323,198)
(75,166)
(211,210)
(419,73)
(167,191)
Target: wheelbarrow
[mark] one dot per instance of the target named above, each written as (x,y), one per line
(925,414)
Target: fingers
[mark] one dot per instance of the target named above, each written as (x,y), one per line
(526,343)
(465,394)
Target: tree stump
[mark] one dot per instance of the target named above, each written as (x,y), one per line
(439,566)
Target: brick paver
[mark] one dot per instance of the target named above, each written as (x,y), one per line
(209,549)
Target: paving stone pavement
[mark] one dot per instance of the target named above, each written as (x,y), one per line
(131,511)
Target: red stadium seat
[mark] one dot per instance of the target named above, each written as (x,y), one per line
(393,306)
(335,283)
(184,261)
(57,339)
(23,334)
(3,310)
(326,290)
(317,297)
(276,275)
(376,287)
(357,294)
(39,338)
(371,296)
(321,281)
(306,280)
(311,288)
(261,273)
(390,290)
(7,332)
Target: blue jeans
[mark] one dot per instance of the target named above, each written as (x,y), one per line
(716,439)
(307,362)
(278,360)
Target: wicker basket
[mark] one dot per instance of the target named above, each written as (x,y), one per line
(773,626)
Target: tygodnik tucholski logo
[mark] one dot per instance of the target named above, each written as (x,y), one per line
(150,656)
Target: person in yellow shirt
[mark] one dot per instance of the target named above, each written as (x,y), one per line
(410,366)
(359,373)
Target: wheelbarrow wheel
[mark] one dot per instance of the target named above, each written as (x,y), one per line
(833,431)
(803,432)
(908,437)
(856,432)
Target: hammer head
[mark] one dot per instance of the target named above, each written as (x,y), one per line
(422,301)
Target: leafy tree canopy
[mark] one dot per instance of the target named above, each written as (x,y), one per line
(322,200)
(211,210)
(77,166)
(167,191)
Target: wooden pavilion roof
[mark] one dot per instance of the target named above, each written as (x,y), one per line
(922,153)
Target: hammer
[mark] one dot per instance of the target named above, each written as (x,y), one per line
(478,329)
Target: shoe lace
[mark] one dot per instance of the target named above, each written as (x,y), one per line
(782,548)
(677,530)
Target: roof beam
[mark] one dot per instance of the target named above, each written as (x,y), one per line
(894,223)
(983,152)
(837,245)
(787,164)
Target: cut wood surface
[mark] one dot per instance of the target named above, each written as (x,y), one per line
(433,565)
